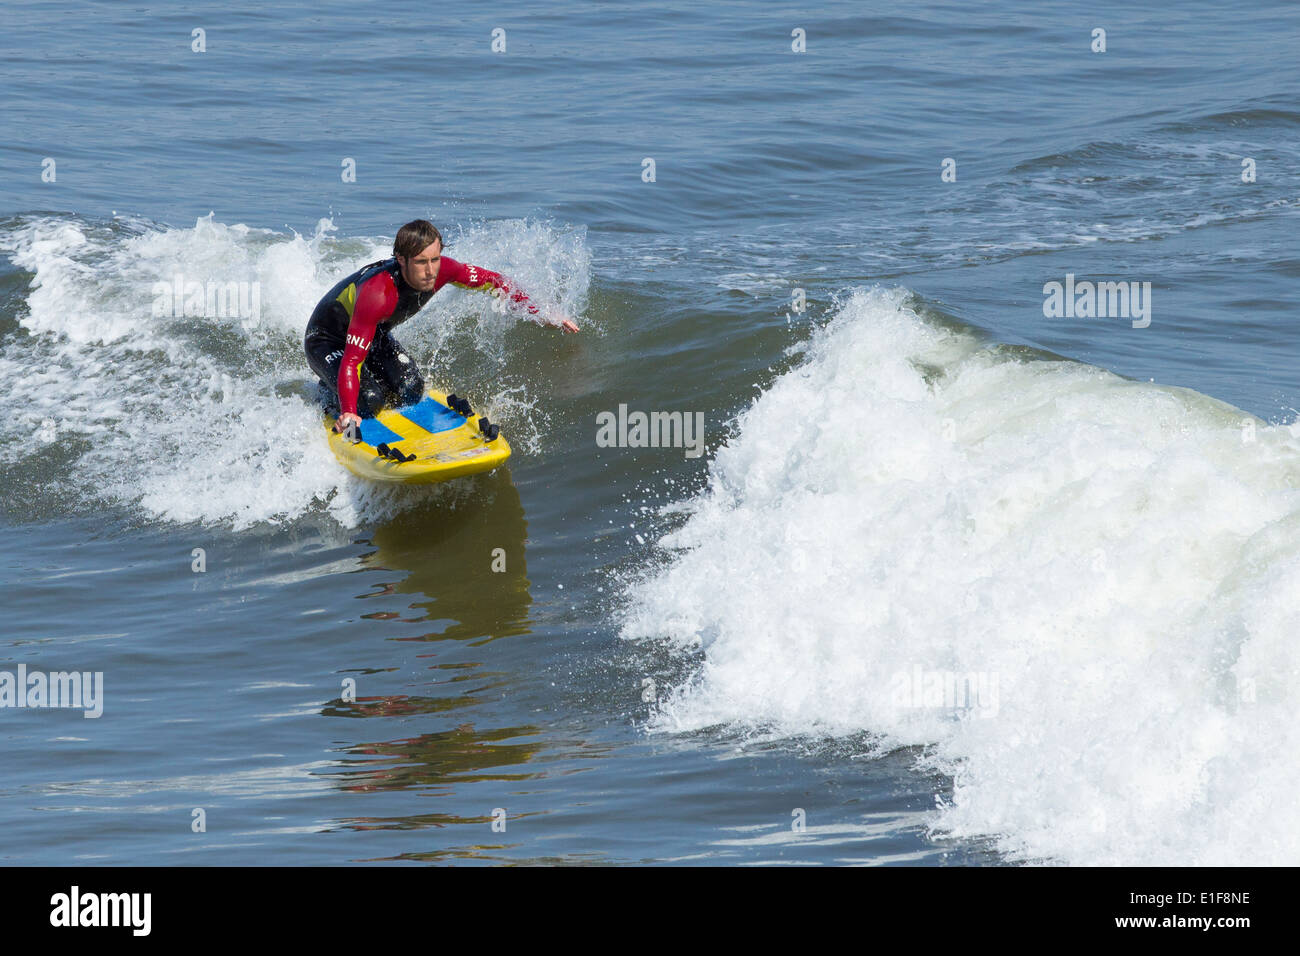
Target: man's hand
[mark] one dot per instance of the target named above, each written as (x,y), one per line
(568,325)
(345,420)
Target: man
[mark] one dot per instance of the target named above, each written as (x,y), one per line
(353,323)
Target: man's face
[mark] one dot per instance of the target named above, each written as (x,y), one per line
(421,271)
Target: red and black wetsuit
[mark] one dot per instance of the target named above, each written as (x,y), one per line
(353,325)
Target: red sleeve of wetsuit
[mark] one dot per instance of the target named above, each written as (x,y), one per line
(472,277)
(376,300)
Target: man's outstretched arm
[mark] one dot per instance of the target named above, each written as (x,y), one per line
(472,277)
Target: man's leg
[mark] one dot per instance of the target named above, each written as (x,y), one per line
(325,355)
(393,366)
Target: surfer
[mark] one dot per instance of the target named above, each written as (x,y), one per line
(353,323)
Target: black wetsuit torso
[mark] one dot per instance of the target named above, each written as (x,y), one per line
(333,313)
(389,375)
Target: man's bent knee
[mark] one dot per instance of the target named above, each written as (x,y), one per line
(370,400)
(412,391)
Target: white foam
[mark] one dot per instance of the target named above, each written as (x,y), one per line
(1120,561)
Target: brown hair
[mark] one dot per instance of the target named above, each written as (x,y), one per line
(414,237)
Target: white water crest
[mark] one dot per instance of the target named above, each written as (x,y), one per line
(1119,560)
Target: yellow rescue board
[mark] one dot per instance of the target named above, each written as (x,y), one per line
(445,443)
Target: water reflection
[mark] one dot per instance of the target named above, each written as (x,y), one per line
(464,557)
(460,557)
(461,755)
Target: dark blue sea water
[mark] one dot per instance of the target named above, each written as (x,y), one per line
(957,580)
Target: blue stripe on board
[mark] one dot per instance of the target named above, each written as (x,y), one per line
(433,416)
(375,433)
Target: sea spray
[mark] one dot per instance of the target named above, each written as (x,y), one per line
(1114,552)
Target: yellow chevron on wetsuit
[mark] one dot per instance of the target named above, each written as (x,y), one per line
(348,298)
